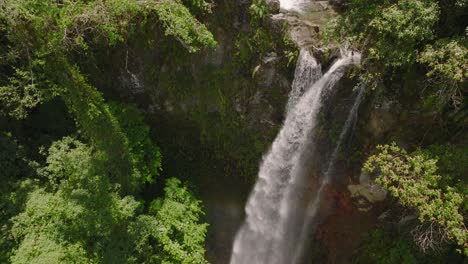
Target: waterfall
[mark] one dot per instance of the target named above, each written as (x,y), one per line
(270,210)
(293,5)
(307,72)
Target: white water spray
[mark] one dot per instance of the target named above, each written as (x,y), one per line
(293,5)
(260,239)
(307,72)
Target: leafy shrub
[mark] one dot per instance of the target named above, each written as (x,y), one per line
(413,180)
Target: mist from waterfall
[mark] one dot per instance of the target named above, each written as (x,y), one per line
(270,232)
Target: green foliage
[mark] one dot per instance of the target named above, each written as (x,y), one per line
(146,157)
(67,163)
(398,36)
(69,24)
(291,52)
(20,94)
(390,31)
(72,24)
(99,125)
(13,163)
(258,10)
(253,44)
(392,246)
(447,58)
(413,180)
(14,167)
(174,223)
(447,61)
(179,23)
(199,6)
(78,217)
(38,32)
(118,134)
(451,161)
(400,28)
(381,247)
(73,212)
(37,230)
(128,164)
(71,222)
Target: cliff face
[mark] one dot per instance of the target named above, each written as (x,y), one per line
(216,112)
(232,96)
(213,113)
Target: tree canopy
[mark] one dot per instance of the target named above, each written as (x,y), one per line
(78,199)
(413,180)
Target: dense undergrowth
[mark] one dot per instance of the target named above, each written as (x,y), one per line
(71,189)
(416,56)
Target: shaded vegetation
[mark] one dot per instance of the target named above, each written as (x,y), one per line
(415,52)
(414,182)
(77,199)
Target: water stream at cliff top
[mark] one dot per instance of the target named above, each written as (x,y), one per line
(293,5)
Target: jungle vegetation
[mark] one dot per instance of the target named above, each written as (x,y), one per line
(71,184)
(74,163)
(424,42)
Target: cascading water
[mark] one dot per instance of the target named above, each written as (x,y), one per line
(307,72)
(272,215)
(294,5)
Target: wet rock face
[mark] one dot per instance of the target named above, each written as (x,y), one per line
(338,4)
(265,72)
(273,6)
(365,195)
(210,81)
(265,108)
(304,33)
(381,120)
(341,234)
